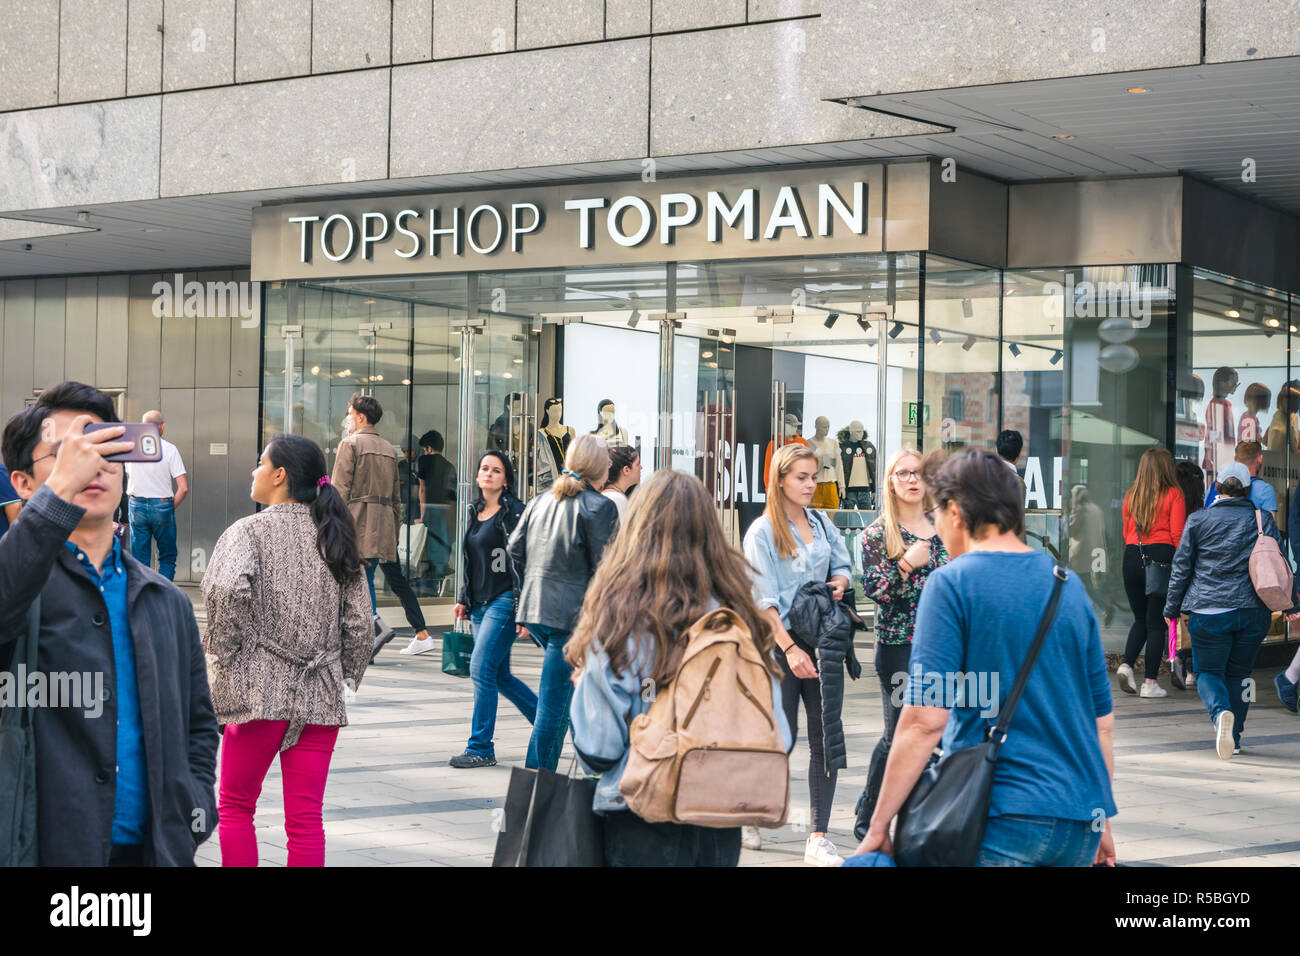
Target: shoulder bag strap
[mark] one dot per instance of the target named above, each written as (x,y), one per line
(1259,523)
(998,734)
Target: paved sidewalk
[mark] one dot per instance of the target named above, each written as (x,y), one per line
(392,799)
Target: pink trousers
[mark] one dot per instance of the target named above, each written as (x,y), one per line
(246,754)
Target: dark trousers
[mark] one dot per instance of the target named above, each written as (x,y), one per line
(891,670)
(630,841)
(821,785)
(400,586)
(1149,625)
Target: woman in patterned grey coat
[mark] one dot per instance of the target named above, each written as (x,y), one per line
(288,627)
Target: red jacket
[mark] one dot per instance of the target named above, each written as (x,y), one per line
(1168,526)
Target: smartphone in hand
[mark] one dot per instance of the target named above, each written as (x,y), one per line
(148,442)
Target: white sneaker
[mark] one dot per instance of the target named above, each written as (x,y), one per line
(750,838)
(1223,734)
(1127,683)
(1190,681)
(1148,690)
(417,646)
(821,852)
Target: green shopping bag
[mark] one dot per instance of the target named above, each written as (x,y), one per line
(456,650)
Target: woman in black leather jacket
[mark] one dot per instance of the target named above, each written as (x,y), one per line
(1210,582)
(554,552)
(487,599)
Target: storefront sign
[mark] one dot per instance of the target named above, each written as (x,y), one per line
(816,211)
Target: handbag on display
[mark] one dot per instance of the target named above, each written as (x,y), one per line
(457,648)
(1156,574)
(942,821)
(548,821)
(18,758)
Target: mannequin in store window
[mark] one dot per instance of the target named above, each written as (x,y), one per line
(789,436)
(1285,427)
(1258,397)
(607,428)
(830,466)
(858,465)
(1219,440)
(553,440)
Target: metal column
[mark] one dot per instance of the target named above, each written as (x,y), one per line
(291,334)
(668,324)
(465,452)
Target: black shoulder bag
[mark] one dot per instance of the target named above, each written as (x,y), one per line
(1155,574)
(18,756)
(942,823)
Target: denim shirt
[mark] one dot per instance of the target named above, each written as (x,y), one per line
(604,706)
(777,579)
(131,793)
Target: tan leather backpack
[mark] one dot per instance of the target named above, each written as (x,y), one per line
(709,751)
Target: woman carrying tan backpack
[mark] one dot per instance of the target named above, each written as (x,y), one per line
(669,566)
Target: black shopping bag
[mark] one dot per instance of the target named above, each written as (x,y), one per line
(549,822)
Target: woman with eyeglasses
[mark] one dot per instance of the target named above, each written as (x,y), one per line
(899,550)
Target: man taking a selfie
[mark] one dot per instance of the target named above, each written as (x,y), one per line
(126,779)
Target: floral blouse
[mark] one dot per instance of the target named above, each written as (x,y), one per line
(896,598)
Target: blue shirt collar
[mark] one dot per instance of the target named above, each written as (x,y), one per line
(112,563)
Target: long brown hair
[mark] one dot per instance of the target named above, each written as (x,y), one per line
(659,574)
(775,512)
(888,519)
(588,458)
(1156,475)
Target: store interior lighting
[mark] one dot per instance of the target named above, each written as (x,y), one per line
(864,324)
(967,308)
(634,318)
(1056,357)
(1014,349)
(831,320)
(896,331)
(968,344)
(936,337)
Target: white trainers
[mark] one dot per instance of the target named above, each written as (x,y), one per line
(1148,690)
(1190,681)
(418,646)
(821,852)
(1127,683)
(750,838)
(1223,734)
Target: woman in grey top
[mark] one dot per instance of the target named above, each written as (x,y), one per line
(288,627)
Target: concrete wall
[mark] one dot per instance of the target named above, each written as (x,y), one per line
(201,371)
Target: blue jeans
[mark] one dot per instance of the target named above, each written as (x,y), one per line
(1223,652)
(1013,840)
(553,697)
(437,541)
(154,518)
(489,669)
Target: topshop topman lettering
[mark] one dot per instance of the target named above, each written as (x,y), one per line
(628,220)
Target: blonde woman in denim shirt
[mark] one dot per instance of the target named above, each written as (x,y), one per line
(789,546)
(668,567)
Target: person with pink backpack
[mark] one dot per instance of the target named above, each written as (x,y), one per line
(1228,576)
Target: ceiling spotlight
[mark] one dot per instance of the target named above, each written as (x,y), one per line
(634,318)
(1062,136)
(1233,314)
(1293,330)
(315,369)
(1271,322)
(967,308)
(936,337)
(968,344)
(1138,89)
(896,331)
(1014,349)
(83,216)
(864,323)
(1056,357)
(831,320)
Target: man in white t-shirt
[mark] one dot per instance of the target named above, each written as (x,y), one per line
(153,503)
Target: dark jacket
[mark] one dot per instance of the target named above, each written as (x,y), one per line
(75,752)
(506,520)
(1212,564)
(823,627)
(554,551)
